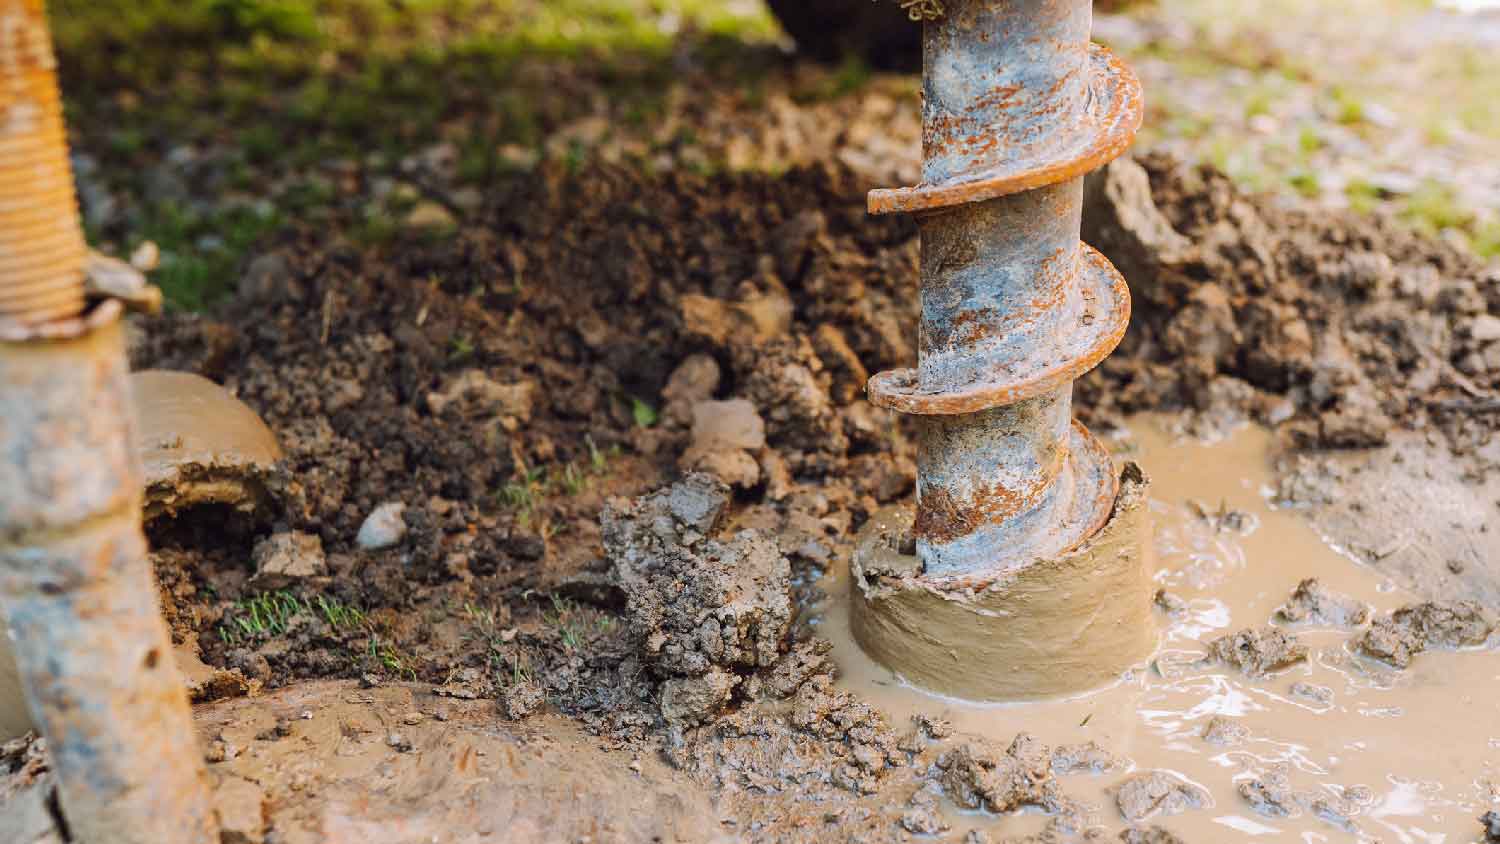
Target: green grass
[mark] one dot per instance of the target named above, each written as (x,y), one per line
(292,84)
(270,614)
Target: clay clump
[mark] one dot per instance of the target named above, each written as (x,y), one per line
(1402,635)
(1154,793)
(1313,602)
(978,776)
(1258,651)
(200,445)
(704,610)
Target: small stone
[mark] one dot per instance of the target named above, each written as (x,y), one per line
(430,216)
(146,257)
(399,742)
(411,719)
(383,528)
(1485,328)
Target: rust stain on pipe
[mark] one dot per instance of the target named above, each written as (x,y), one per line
(41,243)
(1017,107)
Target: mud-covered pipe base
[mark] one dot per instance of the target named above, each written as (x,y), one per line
(1059,626)
(91,649)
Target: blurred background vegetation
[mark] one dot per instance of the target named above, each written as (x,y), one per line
(205,124)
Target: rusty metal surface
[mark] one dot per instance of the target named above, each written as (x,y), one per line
(41,241)
(76,589)
(1017,107)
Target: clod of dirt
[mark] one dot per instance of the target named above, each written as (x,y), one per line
(923,818)
(757,320)
(521,699)
(199,445)
(1312,693)
(701,608)
(691,699)
(1225,732)
(1158,792)
(383,528)
(725,437)
(1169,603)
(471,394)
(1398,638)
(694,380)
(1150,835)
(1271,794)
(976,775)
(241,805)
(206,683)
(1313,602)
(1491,824)
(1258,651)
(287,557)
(1086,758)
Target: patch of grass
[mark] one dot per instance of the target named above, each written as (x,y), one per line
(1348,108)
(200,252)
(1433,207)
(385,654)
(1363,196)
(644,414)
(1306,183)
(270,614)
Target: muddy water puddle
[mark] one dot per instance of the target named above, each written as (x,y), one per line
(1410,756)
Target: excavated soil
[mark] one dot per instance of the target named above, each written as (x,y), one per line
(603,332)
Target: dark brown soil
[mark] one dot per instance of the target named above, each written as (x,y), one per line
(505,383)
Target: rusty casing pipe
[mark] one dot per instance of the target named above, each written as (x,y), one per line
(93,653)
(1017,107)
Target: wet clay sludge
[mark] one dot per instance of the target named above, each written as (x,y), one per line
(1057,626)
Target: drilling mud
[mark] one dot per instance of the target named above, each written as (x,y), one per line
(1302,735)
(1064,624)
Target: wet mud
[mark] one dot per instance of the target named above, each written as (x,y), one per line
(1248,723)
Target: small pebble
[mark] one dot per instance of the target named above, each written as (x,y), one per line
(383,528)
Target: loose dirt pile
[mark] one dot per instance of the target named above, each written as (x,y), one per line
(602,332)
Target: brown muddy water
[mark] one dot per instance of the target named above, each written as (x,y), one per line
(1415,753)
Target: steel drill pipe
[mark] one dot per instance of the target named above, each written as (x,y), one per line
(76,589)
(1017,106)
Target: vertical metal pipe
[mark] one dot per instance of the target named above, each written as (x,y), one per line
(92,651)
(1017,107)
